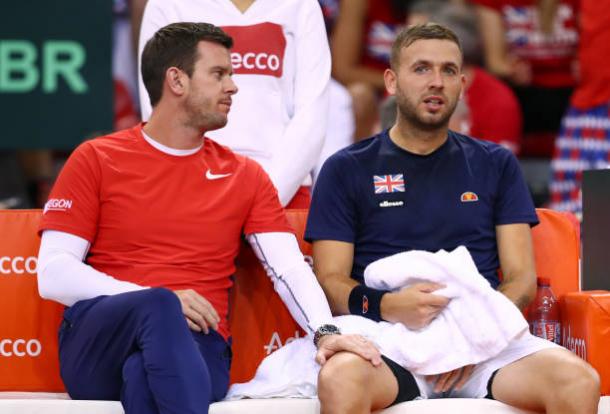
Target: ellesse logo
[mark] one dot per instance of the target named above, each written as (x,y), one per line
(258,49)
(469,197)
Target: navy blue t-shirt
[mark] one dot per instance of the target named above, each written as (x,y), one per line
(386,200)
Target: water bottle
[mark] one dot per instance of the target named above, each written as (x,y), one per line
(544,317)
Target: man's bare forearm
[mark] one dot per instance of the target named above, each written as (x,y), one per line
(337,290)
(520,291)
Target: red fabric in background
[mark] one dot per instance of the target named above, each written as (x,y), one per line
(494,110)
(380,29)
(594,55)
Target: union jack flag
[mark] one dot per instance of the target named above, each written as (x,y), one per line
(381,37)
(393,183)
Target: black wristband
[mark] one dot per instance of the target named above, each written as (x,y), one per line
(366,301)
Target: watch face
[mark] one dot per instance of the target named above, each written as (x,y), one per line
(329,329)
(325,330)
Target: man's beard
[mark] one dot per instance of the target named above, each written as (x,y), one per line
(409,113)
(205,121)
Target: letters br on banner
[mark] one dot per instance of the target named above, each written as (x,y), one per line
(55,73)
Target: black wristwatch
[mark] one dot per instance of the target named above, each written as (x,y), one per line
(325,330)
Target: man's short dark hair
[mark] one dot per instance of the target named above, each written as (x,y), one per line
(176,45)
(460,18)
(424,31)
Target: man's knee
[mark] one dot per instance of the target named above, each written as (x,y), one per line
(566,380)
(572,376)
(159,308)
(159,301)
(343,372)
(160,297)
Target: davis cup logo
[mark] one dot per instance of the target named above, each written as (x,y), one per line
(258,49)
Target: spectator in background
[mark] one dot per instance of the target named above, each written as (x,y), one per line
(282,64)
(535,51)
(125,113)
(340,127)
(489,110)
(584,139)
(127,15)
(361,42)
(124,61)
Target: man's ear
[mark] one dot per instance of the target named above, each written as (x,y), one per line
(389,78)
(175,80)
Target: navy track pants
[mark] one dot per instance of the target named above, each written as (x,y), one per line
(136,347)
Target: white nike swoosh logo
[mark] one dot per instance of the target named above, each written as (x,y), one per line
(210,176)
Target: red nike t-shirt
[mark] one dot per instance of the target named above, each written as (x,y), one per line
(157,219)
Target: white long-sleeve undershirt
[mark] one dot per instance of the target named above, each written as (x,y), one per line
(65,278)
(292,278)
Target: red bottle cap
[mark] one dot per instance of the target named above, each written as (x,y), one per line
(544,281)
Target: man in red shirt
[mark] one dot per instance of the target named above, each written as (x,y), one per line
(140,234)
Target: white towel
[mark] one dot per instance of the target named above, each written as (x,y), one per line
(477,324)
(291,371)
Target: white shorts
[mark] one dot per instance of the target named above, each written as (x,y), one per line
(476,386)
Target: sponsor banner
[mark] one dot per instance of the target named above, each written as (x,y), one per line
(585,318)
(260,322)
(573,343)
(28,330)
(275,342)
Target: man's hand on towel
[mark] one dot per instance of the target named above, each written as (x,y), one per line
(357,344)
(451,380)
(414,306)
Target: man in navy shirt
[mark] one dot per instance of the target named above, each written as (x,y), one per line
(420,186)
